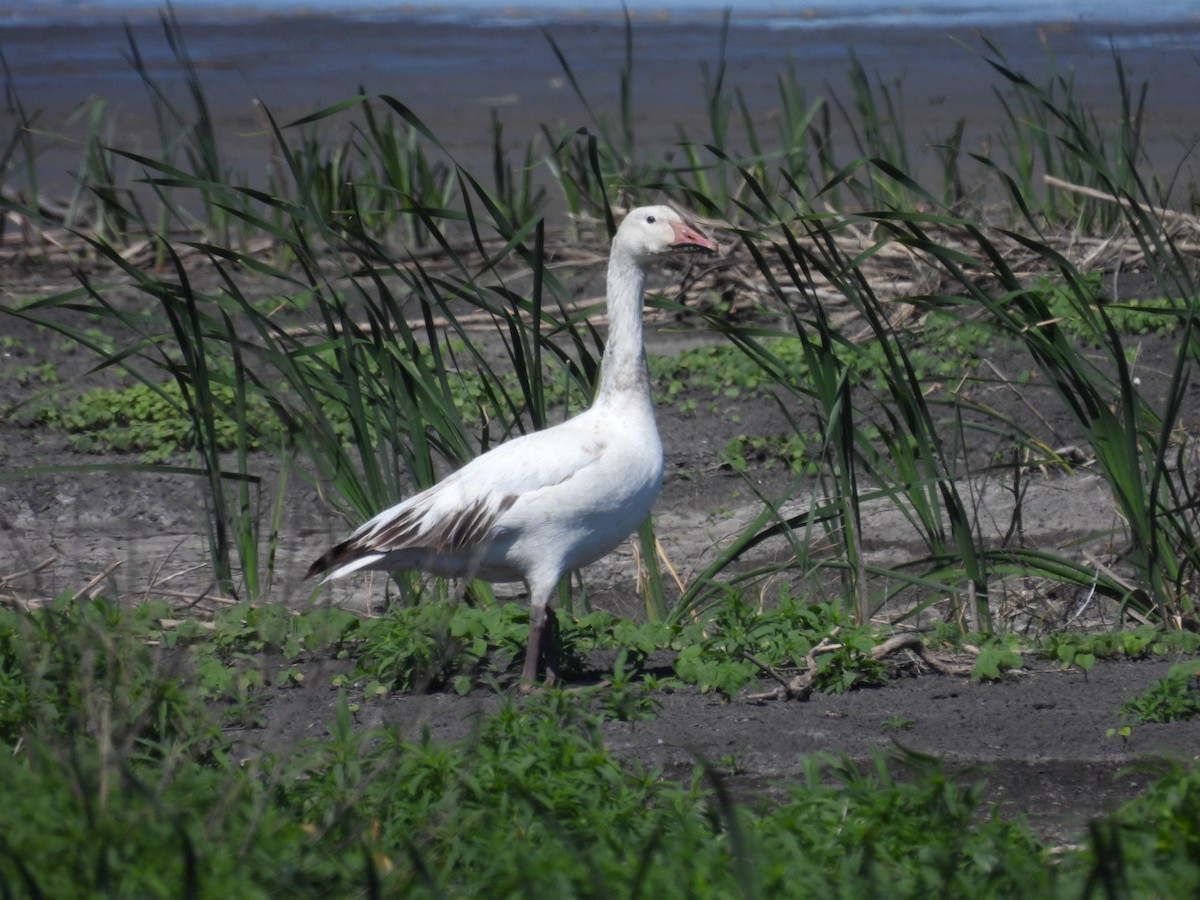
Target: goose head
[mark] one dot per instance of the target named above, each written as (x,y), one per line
(652,231)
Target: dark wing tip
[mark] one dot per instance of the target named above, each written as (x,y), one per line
(335,556)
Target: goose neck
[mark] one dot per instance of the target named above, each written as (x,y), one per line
(623,366)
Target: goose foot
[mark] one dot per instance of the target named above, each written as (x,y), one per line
(541,650)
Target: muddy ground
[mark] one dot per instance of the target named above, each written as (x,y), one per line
(1041,732)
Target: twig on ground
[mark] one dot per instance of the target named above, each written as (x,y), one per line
(1165,214)
(800,687)
(88,589)
(194,600)
(6,580)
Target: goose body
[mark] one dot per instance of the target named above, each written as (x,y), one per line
(543,504)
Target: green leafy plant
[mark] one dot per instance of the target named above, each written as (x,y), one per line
(761,451)
(69,665)
(1084,648)
(153,421)
(1174,697)
(997,655)
(730,650)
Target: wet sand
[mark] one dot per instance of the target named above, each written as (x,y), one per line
(453,77)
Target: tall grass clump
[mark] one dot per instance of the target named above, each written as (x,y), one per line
(881,440)
(361,343)
(887,437)
(345,306)
(1138,442)
(365,376)
(1049,132)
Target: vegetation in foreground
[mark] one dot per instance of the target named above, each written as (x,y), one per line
(121,776)
(351,283)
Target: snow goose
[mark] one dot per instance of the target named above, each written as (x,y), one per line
(543,504)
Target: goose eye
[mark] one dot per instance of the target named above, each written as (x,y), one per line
(650,220)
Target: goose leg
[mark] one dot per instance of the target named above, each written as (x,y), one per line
(537,624)
(550,647)
(542,647)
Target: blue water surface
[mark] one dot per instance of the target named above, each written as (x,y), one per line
(753,13)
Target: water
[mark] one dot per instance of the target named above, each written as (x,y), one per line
(456,63)
(770,14)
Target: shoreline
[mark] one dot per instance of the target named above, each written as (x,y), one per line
(815,15)
(453,78)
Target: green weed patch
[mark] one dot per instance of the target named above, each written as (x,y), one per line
(116,779)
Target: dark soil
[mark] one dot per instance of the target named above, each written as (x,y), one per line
(1038,737)
(1041,733)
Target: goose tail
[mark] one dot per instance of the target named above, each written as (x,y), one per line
(348,556)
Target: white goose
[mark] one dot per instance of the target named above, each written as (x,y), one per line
(543,504)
